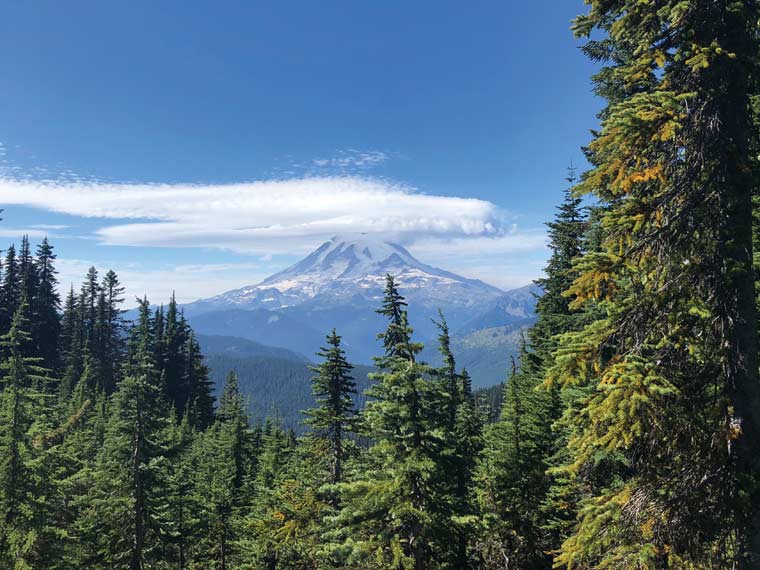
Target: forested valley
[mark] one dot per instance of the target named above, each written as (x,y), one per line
(628,434)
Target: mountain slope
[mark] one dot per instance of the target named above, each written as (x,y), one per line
(261,326)
(242,347)
(340,285)
(351,270)
(276,384)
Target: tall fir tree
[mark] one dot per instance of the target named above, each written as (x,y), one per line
(71,345)
(109,331)
(461,424)
(11,293)
(128,492)
(392,510)
(334,418)
(22,514)
(48,304)
(673,360)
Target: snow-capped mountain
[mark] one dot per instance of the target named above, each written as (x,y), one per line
(352,270)
(340,285)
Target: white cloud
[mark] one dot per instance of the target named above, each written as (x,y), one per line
(259,217)
(50,226)
(188,282)
(293,216)
(508,261)
(17,233)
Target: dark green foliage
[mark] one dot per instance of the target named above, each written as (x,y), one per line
(664,443)
(22,493)
(124,504)
(10,289)
(47,303)
(277,382)
(334,418)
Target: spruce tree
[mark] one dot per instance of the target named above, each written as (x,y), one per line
(223,478)
(199,400)
(89,294)
(71,344)
(181,512)
(461,425)
(110,330)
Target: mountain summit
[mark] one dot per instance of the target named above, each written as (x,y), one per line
(352,268)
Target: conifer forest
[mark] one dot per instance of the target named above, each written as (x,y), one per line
(627,433)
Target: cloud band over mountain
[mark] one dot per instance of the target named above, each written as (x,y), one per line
(257,216)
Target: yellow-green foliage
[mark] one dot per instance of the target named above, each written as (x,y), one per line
(653,362)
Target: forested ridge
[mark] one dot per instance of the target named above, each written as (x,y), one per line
(629,429)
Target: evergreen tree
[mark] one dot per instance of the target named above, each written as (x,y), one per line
(224,475)
(11,293)
(22,514)
(89,294)
(110,327)
(125,502)
(199,400)
(283,523)
(71,344)
(334,417)
(512,478)
(462,433)
(391,510)
(672,362)
(27,274)
(173,365)
(47,321)
(181,512)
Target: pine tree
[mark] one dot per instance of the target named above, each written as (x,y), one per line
(27,274)
(181,512)
(89,294)
(282,526)
(672,362)
(334,417)
(199,401)
(110,330)
(225,470)
(174,339)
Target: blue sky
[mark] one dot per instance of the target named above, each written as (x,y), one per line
(201,146)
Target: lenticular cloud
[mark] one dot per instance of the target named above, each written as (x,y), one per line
(252,216)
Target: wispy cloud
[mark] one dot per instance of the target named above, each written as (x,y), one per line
(49,226)
(16,233)
(351,158)
(188,281)
(279,216)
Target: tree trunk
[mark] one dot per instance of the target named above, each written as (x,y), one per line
(738,36)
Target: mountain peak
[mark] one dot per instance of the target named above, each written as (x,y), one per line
(354,266)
